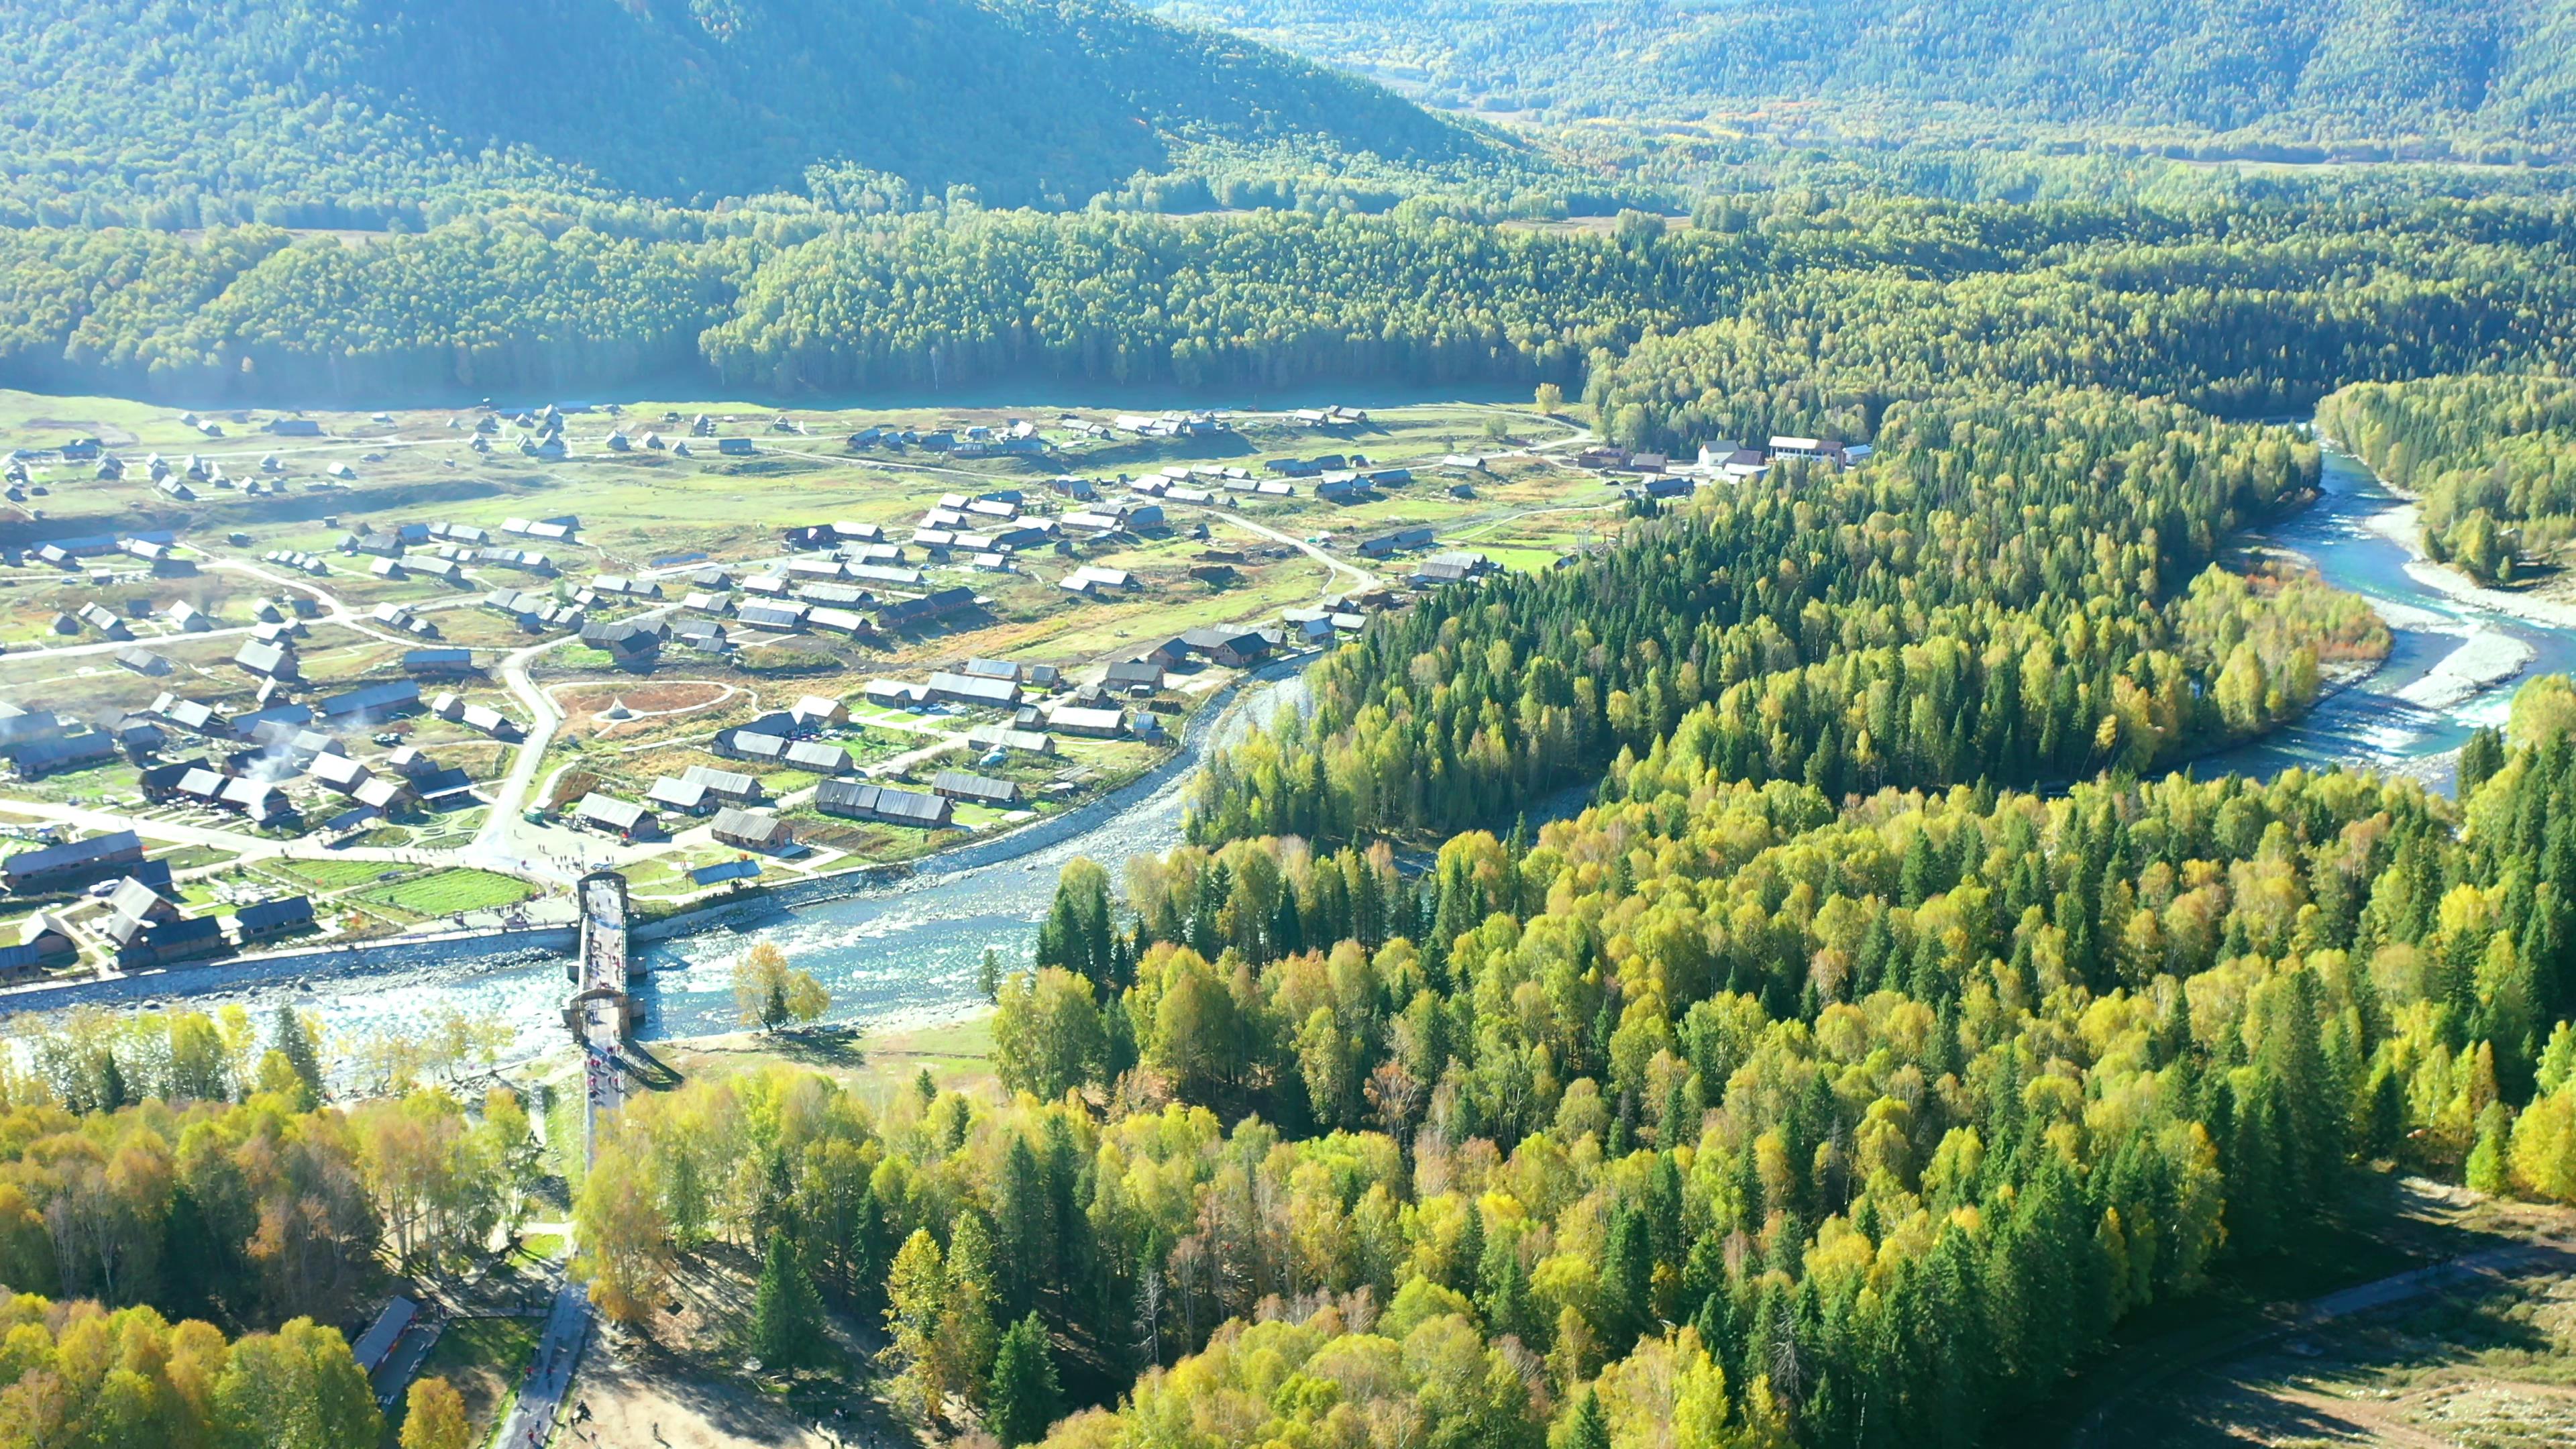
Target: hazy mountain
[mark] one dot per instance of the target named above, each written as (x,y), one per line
(303,110)
(2287,70)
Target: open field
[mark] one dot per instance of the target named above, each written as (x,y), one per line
(2491,1369)
(874,1065)
(443,893)
(2337,1339)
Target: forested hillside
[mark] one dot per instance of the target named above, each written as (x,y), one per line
(361,113)
(2069,629)
(2497,75)
(1883,1020)
(1724,1114)
(1778,313)
(2493,457)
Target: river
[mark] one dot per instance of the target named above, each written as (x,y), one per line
(899,954)
(2369,723)
(908,953)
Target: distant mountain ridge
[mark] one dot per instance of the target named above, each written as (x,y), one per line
(301,106)
(2290,70)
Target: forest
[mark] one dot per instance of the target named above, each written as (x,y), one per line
(1721,1105)
(184,1217)
(1722,1109)
(1789,311)
(379,115)
(2074,626)
(2493,460)
(1800,975)
(2304,79)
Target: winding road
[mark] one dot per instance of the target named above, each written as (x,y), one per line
(508,842)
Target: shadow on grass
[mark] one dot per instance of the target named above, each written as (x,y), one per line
(2383,1224)
(650,1071)
(702,1367)
(819,1046)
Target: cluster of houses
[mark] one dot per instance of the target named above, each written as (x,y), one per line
(177,479)
(991,531)
(1170,425)
(1361,485)
(1660,477)
(1201,483)
(817,608)
(150,547)
(543,432)
(142,924)
(977,683)
(37,743)
(844,579)
(404,618)
(385,550)
(734,797)
(251,757)
(1017,437)
(257,755)
(534,613)
(296,559)
(443,551)
(1331,417)
(743,814)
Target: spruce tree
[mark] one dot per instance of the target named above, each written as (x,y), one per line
(1627,1281)
(1591,1427)
(1467,1260)
(1024,1397)
(786,1314)
(2480,758)
(289,1036)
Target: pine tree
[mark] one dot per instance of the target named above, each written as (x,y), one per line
(966,1329)
(1504,1297)
(1025,1220)
(773,1209)
(916,1310)
(2480,758)
(786,1314)
(288,1036)
(111,1083)
(1627,1280)
(1674,1129)
(1023,1398)
(1590,1428)
(1467,1259)
(2486,1170)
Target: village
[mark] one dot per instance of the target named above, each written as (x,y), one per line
(283,679)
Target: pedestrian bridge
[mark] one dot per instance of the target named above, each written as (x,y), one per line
(603,969)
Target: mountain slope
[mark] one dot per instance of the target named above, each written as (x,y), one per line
(2281,69)
(311,108)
